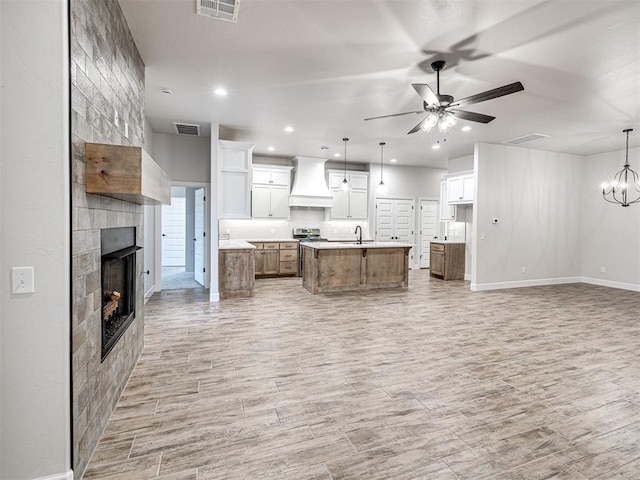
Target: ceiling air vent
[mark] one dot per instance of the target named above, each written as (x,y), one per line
(187,129)
(226,10)
(525,138)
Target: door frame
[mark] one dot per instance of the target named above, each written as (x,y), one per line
(207,229)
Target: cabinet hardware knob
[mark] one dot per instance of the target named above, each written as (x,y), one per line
(147,272)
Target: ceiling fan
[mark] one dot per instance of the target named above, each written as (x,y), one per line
(443,110)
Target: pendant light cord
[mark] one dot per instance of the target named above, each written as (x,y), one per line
(382,144)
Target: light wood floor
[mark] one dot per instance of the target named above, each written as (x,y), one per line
(433,382)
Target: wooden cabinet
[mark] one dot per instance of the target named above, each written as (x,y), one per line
(460,189)
(276,259)
(270,197)
(289,258)
(236,272)
(447,260)
(234,184)
(352,204)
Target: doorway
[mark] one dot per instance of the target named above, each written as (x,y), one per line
(183,249)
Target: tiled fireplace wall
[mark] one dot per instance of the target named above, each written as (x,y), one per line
(107,75)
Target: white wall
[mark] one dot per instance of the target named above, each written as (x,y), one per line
(609,234)
(35,328)
(184,158)
(533,195)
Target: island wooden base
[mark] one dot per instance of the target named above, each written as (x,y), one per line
(340,270)
(236,273)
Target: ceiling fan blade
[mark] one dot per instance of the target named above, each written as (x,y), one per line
(394,115)
(426,93)
(472,116)
(489,94)
(418,127)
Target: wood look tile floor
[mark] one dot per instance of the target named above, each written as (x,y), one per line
(432,382)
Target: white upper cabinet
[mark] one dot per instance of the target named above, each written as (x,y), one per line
(234,185)
(270,198)
(350,205)
(447,212)
(460,189)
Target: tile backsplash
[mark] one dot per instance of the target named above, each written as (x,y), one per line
(302,217)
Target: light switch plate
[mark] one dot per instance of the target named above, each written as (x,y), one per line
(22,280)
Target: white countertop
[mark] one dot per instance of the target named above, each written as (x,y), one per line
(448,242)
(265,240)
(235,245)
(339,245)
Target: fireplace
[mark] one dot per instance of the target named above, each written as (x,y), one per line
(118,284)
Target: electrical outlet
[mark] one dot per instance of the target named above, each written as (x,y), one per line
(116,118)
(603,270)
(524,269)
(126,130)
(482,236)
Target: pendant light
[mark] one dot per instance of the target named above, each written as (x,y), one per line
(382,189)
(344,186)
(624,189)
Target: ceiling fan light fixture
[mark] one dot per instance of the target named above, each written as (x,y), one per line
(617,190)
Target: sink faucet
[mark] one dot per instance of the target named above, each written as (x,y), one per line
(359,237)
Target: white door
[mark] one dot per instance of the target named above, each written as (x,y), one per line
(173,232)
(260,201)
(279,201)
(395,221)
(428,229)
(385,224)
(199,236)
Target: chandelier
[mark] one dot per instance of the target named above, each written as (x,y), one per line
(624,189)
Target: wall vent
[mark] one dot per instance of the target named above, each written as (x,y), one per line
(226,10)
(525,138)
(187,129)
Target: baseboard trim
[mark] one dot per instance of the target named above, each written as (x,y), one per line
(59,476)
(467,277)
(524,283)
(214,296)
(611,284)
(149,292)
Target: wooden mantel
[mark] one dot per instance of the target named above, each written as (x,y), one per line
(126,173)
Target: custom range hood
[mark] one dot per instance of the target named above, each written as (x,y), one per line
(309,184)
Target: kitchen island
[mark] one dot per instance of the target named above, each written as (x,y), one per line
(339,267)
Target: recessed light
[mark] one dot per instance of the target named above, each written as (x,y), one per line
(167,91)
(288,129)
(336,155)
(221,92)
(435,146)
(466,128)
(393,160)
(271,149)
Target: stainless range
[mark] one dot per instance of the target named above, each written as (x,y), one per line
(306,235)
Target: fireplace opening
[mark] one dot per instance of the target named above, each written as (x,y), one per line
(118,284)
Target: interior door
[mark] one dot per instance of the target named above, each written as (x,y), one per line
(385,225)
(395,222)
(199,235)
(173,230)
(428,229)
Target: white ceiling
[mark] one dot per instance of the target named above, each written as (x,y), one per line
(323,66)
